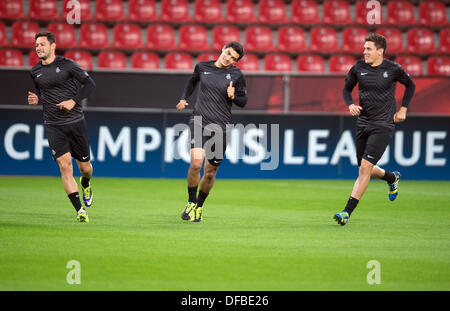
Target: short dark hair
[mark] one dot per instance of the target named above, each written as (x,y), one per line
(237,47)
(379,41)
(50,36)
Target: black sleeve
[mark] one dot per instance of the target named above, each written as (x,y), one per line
(83,77)
(350,82)
(240,92)
(37,90)
(191,84)
(404,78)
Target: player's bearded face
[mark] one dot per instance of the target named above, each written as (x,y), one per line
(43,48)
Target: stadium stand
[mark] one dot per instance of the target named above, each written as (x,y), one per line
(142,11)
(82,58)
(249,62)
(412,64)
(178,61)
(33,59)
(277,62)
(438,66)
(144,60)
(310,64)
(340,63)
(11,57)
(112,60)
(43,9)
(308,31)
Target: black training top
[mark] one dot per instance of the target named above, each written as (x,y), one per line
(213,103)
(57,82)
(376,87)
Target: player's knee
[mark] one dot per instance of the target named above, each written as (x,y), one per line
(365,168)
(85,168)
(65,165)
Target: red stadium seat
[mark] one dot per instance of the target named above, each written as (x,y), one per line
(85,10)
(94,36)
(178,61)
(336,12)
(43,9)
(311,64)
(361,12)
(277,62)
(193,38)
(10,57)
(420,40)
(438,66)
(142,11)
(127,36)
(160,37)
(109,10)
(444,40)
(82,58)
(272,11)
(208,11)
(64,33)
(112,60)
(400,13)
(258,39)
(340,63)
(323,39)
(144,60)
(23,34)
(11,9)
(240,11)
(291,39)
(221,35)
(248,62)
(394,40)
(33,59)
(305,12)
(174,11)
(432,13)
(207,56)
(353,39)
(412,64)
(3,36)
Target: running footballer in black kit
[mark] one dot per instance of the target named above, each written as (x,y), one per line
(56,80)
(376,78)
(221,85)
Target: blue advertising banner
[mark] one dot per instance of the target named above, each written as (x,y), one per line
(281,146)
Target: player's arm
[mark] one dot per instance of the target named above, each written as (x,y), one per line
(404,78)
(238,92)
(33,97)
(88,86)
(350,83)
(189,88)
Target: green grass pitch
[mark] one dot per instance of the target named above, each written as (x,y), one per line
(256,235)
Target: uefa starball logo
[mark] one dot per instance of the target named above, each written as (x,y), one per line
(74,15)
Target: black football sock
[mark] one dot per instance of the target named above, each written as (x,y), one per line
(85,182)
(388,176)
(351,205)
(201,198)
(75,199)
(192,191)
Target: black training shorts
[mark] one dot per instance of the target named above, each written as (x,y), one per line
(71,138)
(212,139)
(371,142)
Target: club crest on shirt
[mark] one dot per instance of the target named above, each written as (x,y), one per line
(385,74)
(228,76)
(57,69)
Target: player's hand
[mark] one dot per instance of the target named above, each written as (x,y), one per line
(32,99)
(400,115)
(182,104)
(66,105)
(230,91)
(354,110)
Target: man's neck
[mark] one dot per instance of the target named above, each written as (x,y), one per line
(49,60)
(377,63)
